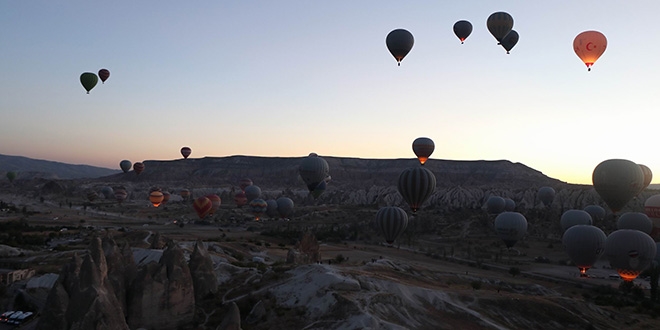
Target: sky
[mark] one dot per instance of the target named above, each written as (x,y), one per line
(286,78)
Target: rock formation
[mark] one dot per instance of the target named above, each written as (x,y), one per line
(232,320)
(201,268)
(306,251)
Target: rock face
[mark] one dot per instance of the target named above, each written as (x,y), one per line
(232,320)
(162,295)
(106,290)
(306,251)
(201,267)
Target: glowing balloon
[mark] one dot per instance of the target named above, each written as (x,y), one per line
(202,206)
(499,25)
(629,252)
(423,148)
(258,207)
(416,184)
(88,80)
(510,227)
(156,198)
(185,152)
(392,221)
(572,218)
(589,46)
(510,40)
(138,168)
(399,43)
(462,30)
(125,165)
(104,74)
(584,245)
(617,181)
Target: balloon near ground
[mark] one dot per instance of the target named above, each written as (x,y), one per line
(584,245)
(185,152)
(258,207)
(202,205)
(597,213)
(589,46)
(462,30)
(399,42)
(546,195)
(510,205)
(11,176)
(416,184)
(156,198)
(215,202)
(629,252)
(88,80)
(510,227)
(252,192)
(572,218)
(284,207)
(423,147)
(617,181)
(499,25)
(120,194)
(244,183)
(392,221)
(240,199)
(185,194)
(495,205)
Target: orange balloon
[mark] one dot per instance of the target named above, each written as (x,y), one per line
(589,46)
(156,197)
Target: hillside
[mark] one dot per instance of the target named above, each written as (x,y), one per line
(28,168)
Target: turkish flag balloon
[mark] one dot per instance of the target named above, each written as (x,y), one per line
(589,46)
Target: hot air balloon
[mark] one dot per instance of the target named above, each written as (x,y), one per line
(271,208)
(584,245)
(11,176)
(185,194)
(244,183)
(166,196)
(125,165)
(499,25)
(240,199)
(284,206)
(92,195)
(509,205)
(258,207)
(635,220)
(138,168)
(597,213)
(416,184)
(462,30)
(629,252)
(252,192)
(589,46)
(510,227)
(88,80)
(648,176)
(107,192)
(510,40)
(156,197)
(202,206)
(652,210)
(572,218)
(546,195)
(399,42)
(104,74)
(120,194)
(185,152)
(495,205)
(313,170)
(215,202)
(320,188)
(423,148)
(392,221)
(617,181)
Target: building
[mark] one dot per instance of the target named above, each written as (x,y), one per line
(9,276)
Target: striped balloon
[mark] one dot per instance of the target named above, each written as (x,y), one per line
(202,206)
(215,202)
(423,148)
(92,195)
(416,184)
(584,245)
(120,194)
(499,24)
(313,169)
(510,227)
(156,197)
(392,221)
(138,167)
(258,207)
(648,176)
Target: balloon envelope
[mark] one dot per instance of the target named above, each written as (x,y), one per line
(244,183)
(125,165)
(271,209)
(546,195)
(202,206)
(138,167)
(589,46)
(510,40)
(635,220)
(423,148)
(597,213)
(252,192)
(462,30)
(499,25)
(120,194)
(11,176)
(509,205)
(215,203)
(572,218)
(313,170)
(629,252)
(510,227)
(156,197)
(392,221)
(88,80)
(258,206)
(240,199)
(652,210)
(495,205)
(104,74)
(584,245)
(416,184)
(185,152)
(617,181)
(185,194)
(284,206)
(648,176)
(399,42)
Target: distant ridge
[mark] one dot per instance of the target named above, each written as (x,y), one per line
(28,168)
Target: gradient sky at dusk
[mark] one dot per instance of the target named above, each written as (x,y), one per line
(286,78)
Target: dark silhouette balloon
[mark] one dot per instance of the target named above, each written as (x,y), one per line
(399,43)
(88,80)
(510,227)
(648,176)
(138,168)
(244,183)
(499,25)
(572,218)
(252,192)
(635,220)
(462,29)
(510,205)
(495,205)
(416,184)
(597,213)
(185,152)
(240,199)
(423,147)
(617,181)
(392,221)
(11,176)
(185,194)
(510,40)
(284,206)
(104,74)
(584,245)
(652,210)
(125,165)
(313,170)
(546,195)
